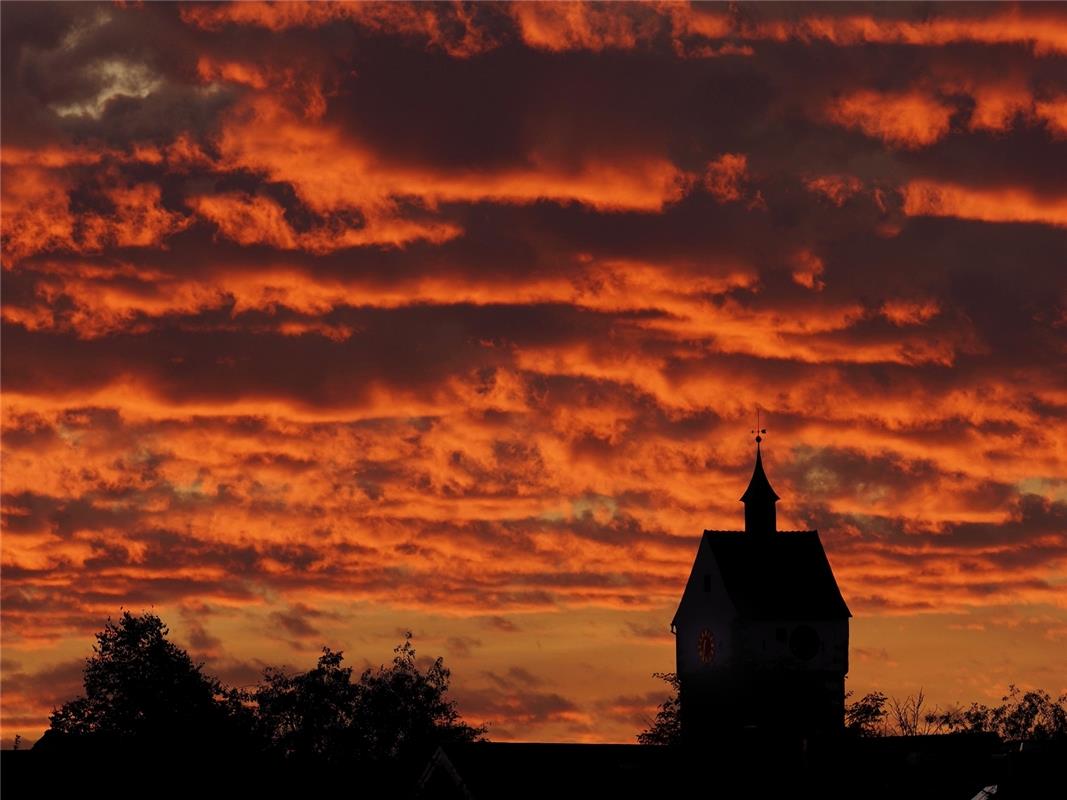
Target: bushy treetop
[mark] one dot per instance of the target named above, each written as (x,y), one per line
(138,683)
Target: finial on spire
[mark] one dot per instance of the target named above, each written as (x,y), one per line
(759,498)
(758,430)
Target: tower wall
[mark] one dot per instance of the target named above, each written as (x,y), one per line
(760,518)
(728,703)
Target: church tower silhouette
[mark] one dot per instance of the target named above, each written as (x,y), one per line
(761,632)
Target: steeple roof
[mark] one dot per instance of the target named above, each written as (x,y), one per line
(786,577)
(759,488)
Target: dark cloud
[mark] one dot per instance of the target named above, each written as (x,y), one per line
(527,708)
(462,646)
(514,679)
(502,624)
(296,621)
(49,687)
(651,633)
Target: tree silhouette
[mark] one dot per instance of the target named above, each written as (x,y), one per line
(667,727)
(402,712)
(1021,715)
(391,716)
(866,716)
(309,715)
(908,717)
(138,685)
(1032,715)
(144,690)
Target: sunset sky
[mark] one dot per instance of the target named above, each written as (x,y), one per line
(326,322)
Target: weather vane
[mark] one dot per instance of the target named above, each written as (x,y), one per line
(758,430)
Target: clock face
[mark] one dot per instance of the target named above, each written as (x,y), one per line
(706,646)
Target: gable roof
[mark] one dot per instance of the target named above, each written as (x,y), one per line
(783,576)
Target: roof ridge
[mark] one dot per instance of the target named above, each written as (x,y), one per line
(795,530)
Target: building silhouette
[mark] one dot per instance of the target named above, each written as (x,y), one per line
(761,632)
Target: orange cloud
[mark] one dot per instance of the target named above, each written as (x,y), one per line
(910,312)
(251,220)
(807,269)
(905,119)
(247,219)
(1045,34)
(37,216)
(36,212)
(1054,112)
(139,219)
(996,105)
(450,27)
(564,26)
(581,26)
(274,16)
(50,156)
(838,189)
(935,199)
(724,177)
(916,118)
(311,157)
(302,88)
(1000,104)
(553,26)
(236,71)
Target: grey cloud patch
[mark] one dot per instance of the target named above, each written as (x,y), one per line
(48,687)
(515,678)
(462,646)
(502,624)
(650,633)
(826,473)
(526,708)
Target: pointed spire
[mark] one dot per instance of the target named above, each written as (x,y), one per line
(759,488)
(759,498)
